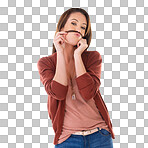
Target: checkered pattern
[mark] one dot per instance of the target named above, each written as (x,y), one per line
(119,34)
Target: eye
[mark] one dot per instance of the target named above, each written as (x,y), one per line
(75,24)
(83,28)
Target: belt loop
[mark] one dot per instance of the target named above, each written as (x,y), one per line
(83,133)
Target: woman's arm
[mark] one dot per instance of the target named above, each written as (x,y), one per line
(54,88)
(79,66)
(60,74)
(89,82)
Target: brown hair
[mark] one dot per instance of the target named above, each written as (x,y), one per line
(63,19)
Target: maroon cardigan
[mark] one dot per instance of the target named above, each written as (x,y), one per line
(88,85)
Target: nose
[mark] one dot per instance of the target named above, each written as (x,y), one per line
(79,30)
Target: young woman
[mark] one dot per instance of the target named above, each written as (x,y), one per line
(71,77)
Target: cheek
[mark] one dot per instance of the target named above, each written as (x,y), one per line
(83,33)
(72,39)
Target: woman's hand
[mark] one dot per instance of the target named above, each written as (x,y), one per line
(59,41)
(81,46)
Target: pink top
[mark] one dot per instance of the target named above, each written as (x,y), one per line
(88,85)
(80,114)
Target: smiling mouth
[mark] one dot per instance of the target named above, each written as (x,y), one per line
(74,31)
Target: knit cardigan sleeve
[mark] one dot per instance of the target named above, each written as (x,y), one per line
(89,82)
(47,71)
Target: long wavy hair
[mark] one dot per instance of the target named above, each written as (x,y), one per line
(63,19)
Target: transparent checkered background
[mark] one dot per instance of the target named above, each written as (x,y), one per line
(119,34)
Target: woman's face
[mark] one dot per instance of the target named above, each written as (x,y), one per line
(77,22)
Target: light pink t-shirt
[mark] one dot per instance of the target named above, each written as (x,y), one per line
(80,114)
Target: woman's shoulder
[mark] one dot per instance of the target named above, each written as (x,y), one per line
(92,54)
(50,59)
(52,56)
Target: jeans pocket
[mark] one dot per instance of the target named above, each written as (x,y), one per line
(104,132)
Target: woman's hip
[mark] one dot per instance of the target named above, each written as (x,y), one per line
(100,139)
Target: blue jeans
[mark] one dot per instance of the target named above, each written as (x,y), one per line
(100,139)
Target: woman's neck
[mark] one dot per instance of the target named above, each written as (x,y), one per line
(69,52)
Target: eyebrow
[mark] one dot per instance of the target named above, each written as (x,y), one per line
(77,21)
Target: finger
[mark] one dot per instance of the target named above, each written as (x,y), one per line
(60,41)
(64,39)
(78,44)
(60,37)
(63,32)
(59,33)
(57,37)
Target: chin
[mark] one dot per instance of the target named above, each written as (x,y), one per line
(73,43)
